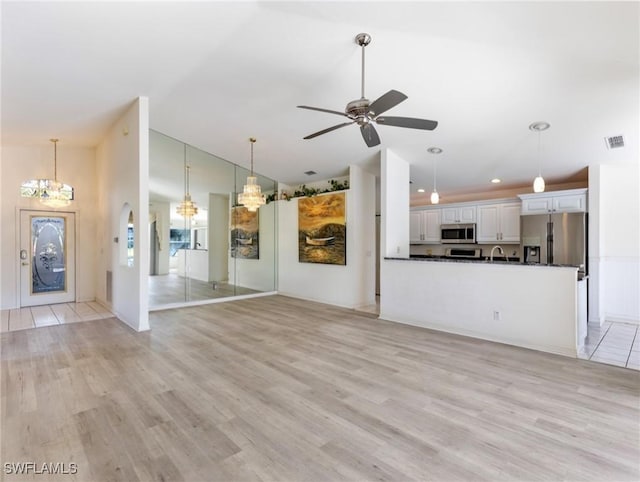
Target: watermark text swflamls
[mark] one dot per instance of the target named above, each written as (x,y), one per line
(53,468)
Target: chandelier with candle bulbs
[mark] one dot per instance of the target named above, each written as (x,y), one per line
(251,196)
(187,207)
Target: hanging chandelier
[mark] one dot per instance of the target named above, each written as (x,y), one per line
(50,192)
(187,207)
(251,197)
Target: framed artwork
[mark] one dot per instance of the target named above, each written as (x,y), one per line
(245,239)
(322,229)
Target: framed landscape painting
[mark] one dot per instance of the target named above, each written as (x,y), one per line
(245,239)
(322,229)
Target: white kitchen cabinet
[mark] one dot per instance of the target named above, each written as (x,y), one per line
(415,227)
(570,201)
(424,226)
(459,215)
(498,223)
(431,225)
(510,223)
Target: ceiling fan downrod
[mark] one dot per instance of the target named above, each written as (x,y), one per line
(363,39)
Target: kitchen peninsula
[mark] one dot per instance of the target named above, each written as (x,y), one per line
(532,306)
(539,306)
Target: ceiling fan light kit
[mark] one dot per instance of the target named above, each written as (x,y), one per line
(366,113)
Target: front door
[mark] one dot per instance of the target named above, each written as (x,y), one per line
(47,258)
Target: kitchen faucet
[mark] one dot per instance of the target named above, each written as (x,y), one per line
(500,250)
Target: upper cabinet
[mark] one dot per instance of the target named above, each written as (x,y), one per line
(498,223)
(570,201)
(415,227)
(424,226)
(459,215)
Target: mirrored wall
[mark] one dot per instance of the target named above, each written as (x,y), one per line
(222,250)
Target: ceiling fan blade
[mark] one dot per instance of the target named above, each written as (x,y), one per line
(369,135)
(322,110)
(324,131)
(427,125)
(386,102)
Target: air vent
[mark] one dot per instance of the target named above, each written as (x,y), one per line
(614,142)
(310,173)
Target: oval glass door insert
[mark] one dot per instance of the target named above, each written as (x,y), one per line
(48,254)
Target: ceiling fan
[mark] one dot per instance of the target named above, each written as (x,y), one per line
(365,113)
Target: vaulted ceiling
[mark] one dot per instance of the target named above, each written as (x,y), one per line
(217,73)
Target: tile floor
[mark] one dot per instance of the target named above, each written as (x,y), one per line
(613,343)
(36,316)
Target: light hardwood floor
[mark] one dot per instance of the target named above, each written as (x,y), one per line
(171,288)
(280,389)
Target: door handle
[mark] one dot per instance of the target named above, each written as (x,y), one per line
(25,263)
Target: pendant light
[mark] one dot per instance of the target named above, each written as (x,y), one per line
(187,207)
(435,197)
(251,197)
(538,182)
(50,192)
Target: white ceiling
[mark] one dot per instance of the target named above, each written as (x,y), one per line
(219,72)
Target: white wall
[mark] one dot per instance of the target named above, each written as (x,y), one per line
(349,286)
(614,242)
(538,311)
(395,205)
(76,166)
(123,177)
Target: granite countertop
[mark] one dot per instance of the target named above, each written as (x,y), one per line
(483,260)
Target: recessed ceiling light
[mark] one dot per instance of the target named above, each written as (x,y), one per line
(310,173)
(495,180)
(434,150)
(420,190)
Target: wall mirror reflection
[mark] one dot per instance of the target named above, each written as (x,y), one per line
(218,251)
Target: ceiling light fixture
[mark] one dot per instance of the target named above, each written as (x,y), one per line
(420,190)
(538,182)
(251,197)
(50,192)
(187,207)
(495,180)
(435,197)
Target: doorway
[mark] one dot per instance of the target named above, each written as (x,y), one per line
(47,258)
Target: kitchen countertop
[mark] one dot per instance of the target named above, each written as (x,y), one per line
(482,260)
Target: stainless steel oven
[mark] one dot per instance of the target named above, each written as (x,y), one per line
(457,233)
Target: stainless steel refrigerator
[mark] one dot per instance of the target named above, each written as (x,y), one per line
(554,239)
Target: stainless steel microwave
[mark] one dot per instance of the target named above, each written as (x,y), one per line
(457,233)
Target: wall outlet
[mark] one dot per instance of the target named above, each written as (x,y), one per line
(496,315)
